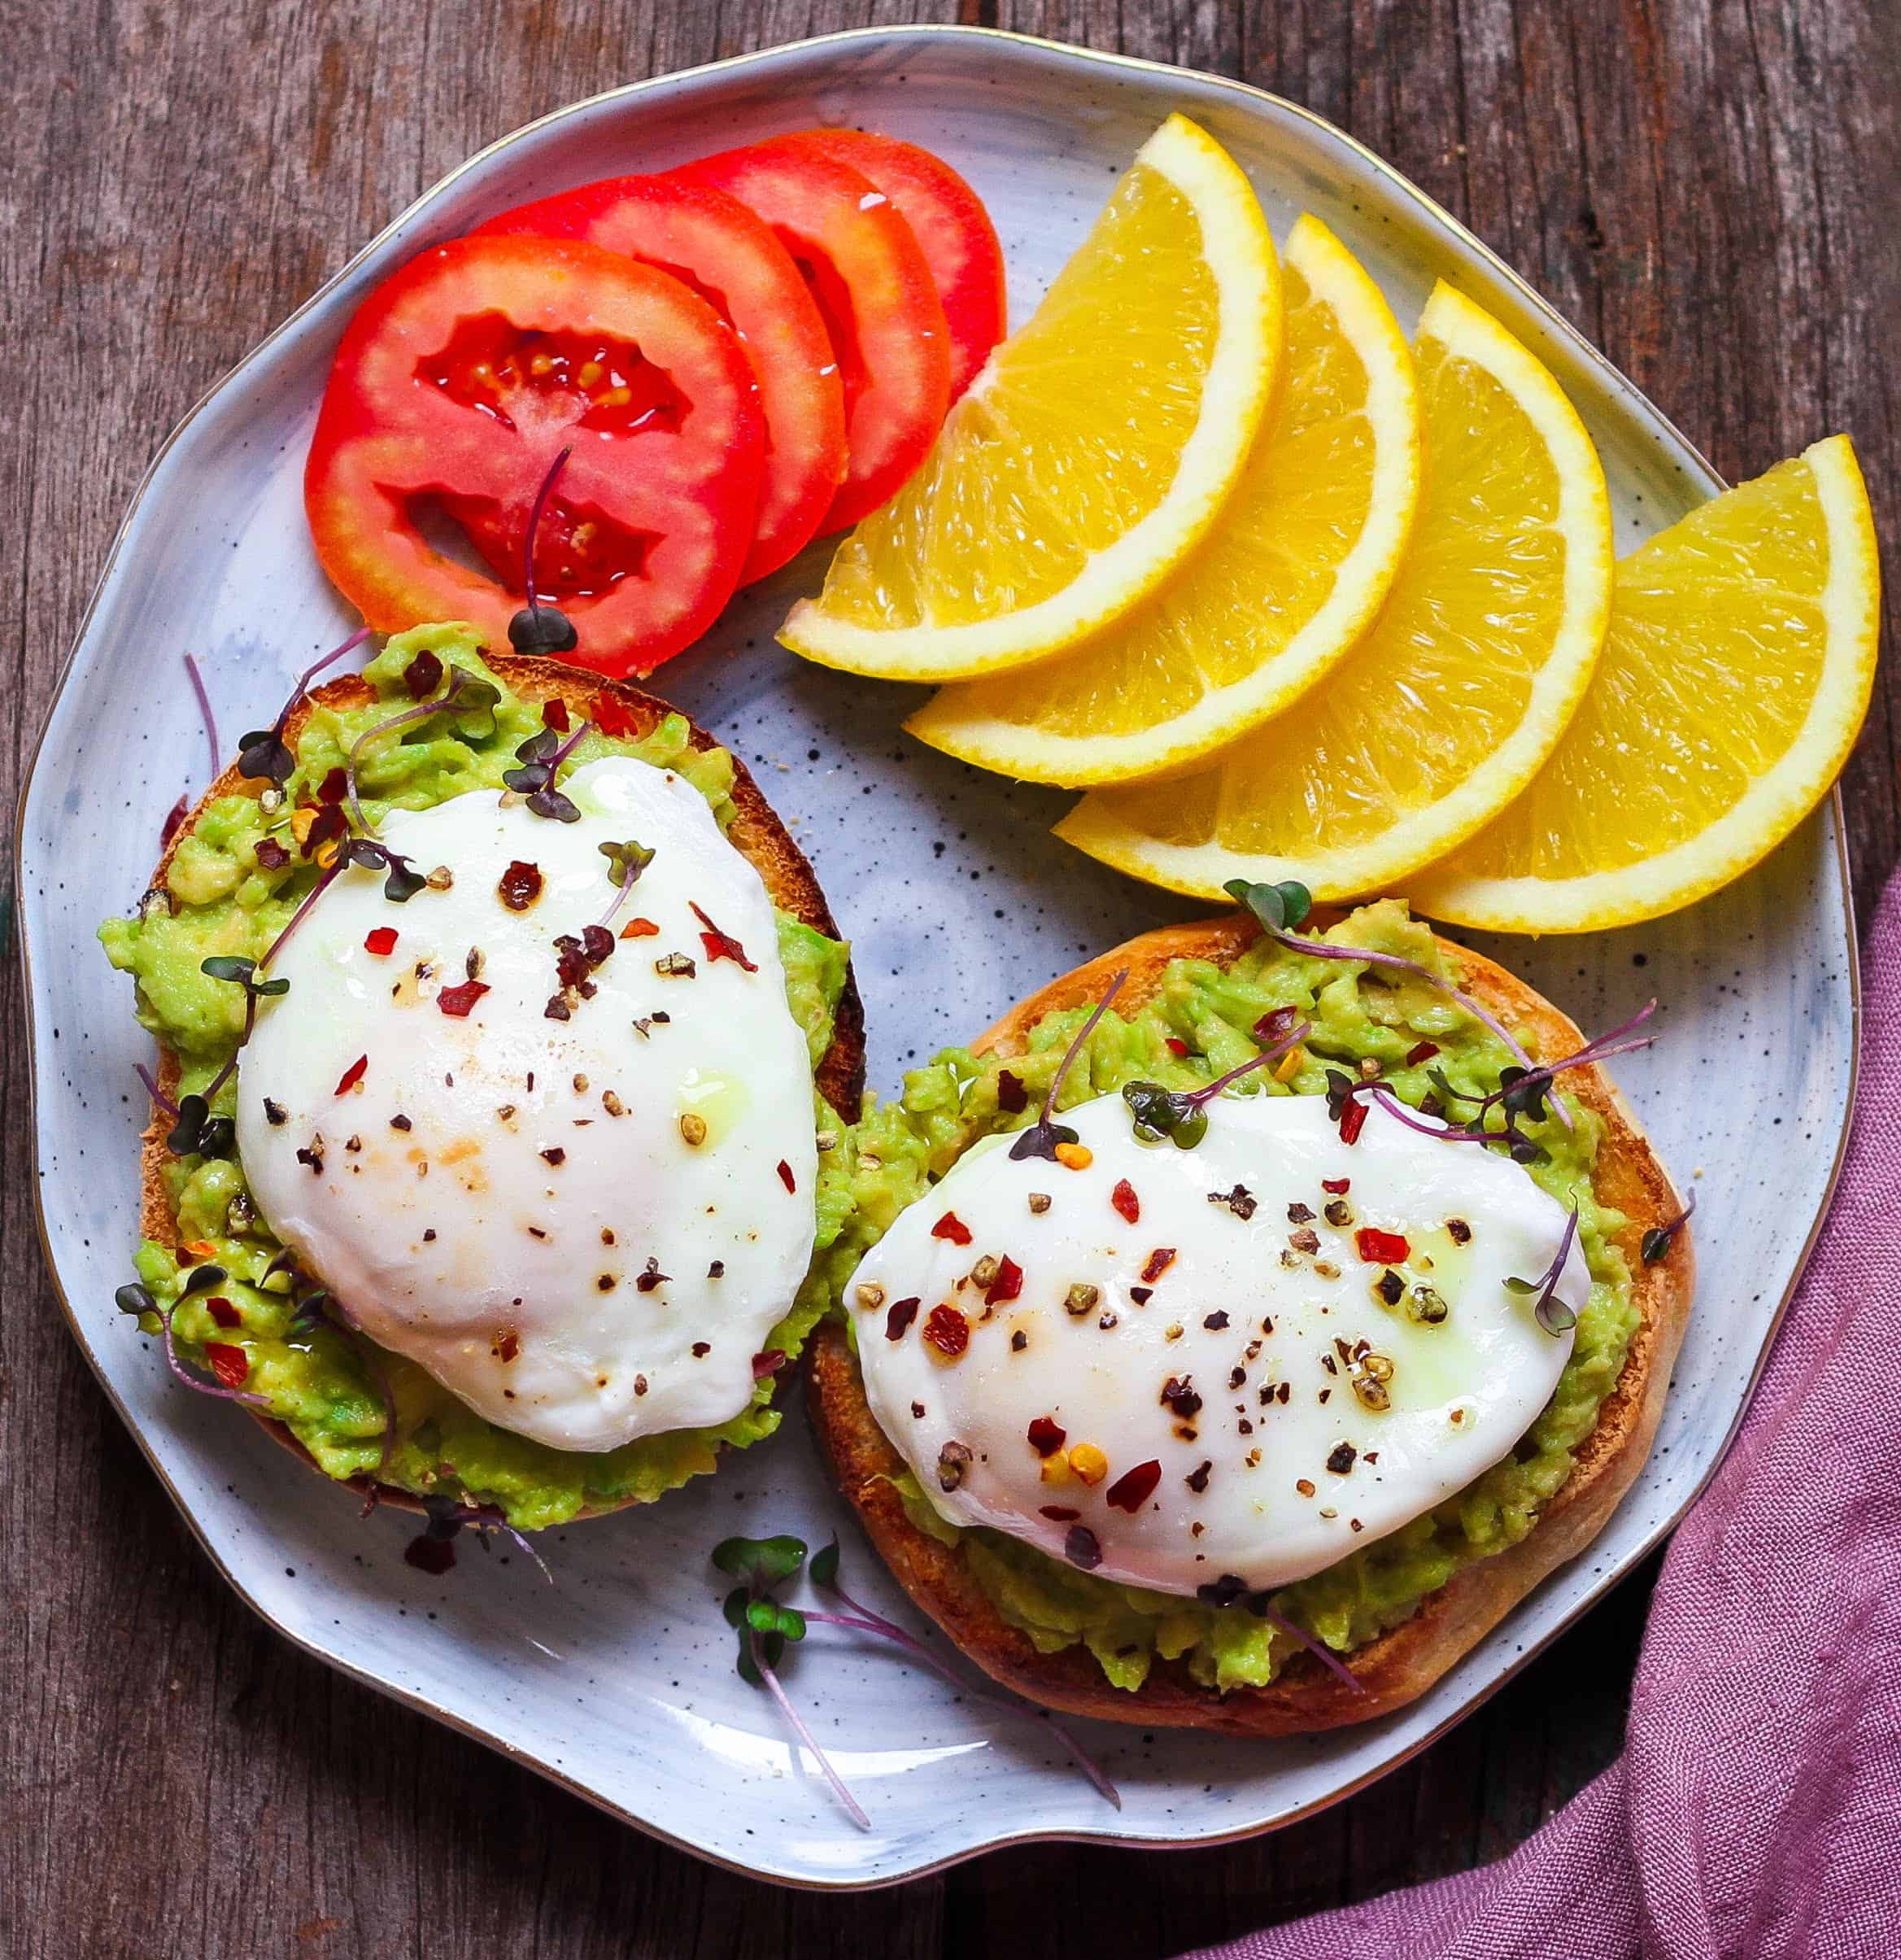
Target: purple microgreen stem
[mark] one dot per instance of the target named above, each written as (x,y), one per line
(805,1734)
(152,1088)
(458,680)
(863,1620)
(1042,1136)
(1317,1648)
(204,708)
(1554,1315)
(540,498)
(190,1380)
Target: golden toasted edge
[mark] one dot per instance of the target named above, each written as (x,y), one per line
(756,832)
(1403,1663)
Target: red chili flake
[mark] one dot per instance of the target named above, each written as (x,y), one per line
(1013,1098)
(554,714)
(221,1311)
(1177,1047)
(1060,1514)
(718,945)
(1158,1262)
(1007,1284)
(1132,1489)
(1382,1248)
(897,1322)
(1123,1198)
(768,1363)
(519,885)
(786,1177)
(612,717)
(639,929)
(334,787)
(509,1346)
(1177,1394)
(353,1075)
(230,1364)
(1047,1437)
(950,1226)
(455,1001)
(173,818)
(1337,1187)
(1080,1548)
(1424,1052)
(381,940)
(270,854)
(1353,1119)
(948,1331)
(1273,1025)
(331,824)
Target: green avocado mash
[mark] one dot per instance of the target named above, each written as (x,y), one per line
(901,1149)
(218,899)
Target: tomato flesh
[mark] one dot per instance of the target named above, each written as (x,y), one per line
(734,262)
(457,384)
(953,230)
(870,279)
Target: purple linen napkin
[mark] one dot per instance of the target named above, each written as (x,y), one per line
(1756,1812)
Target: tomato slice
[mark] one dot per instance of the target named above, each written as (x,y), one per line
(736,263)
(457,384)
(873,286)
(953,230)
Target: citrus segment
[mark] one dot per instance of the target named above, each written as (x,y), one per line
(1736,673)
(1304,552)
(1090,454)
(1461,688)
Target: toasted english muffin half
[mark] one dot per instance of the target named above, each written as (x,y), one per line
(1401,1663)
(756,832)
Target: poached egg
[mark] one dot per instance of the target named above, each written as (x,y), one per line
(580,1200)
(1217,1368)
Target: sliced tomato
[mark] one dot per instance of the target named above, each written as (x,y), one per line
(736,263)
(459,382)
(953,230)
(869,278)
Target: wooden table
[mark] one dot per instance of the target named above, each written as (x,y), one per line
(1705,186)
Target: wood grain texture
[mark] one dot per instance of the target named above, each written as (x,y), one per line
(1705,188)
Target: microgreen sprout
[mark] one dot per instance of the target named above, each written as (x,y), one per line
(447,1516)
(464,695)
(626,862)
(765,1626)
(539,628)
(541,757)
(195,1131)
(1043,1137)
(1182,1114)
(1278,909)
(1657,1241)
(263,754)
(1552,1313)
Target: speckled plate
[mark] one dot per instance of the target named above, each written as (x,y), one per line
(618,1682)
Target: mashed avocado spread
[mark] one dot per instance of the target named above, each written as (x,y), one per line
(218,899)
(898,1150)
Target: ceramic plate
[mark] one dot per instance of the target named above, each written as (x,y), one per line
(618,1682)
